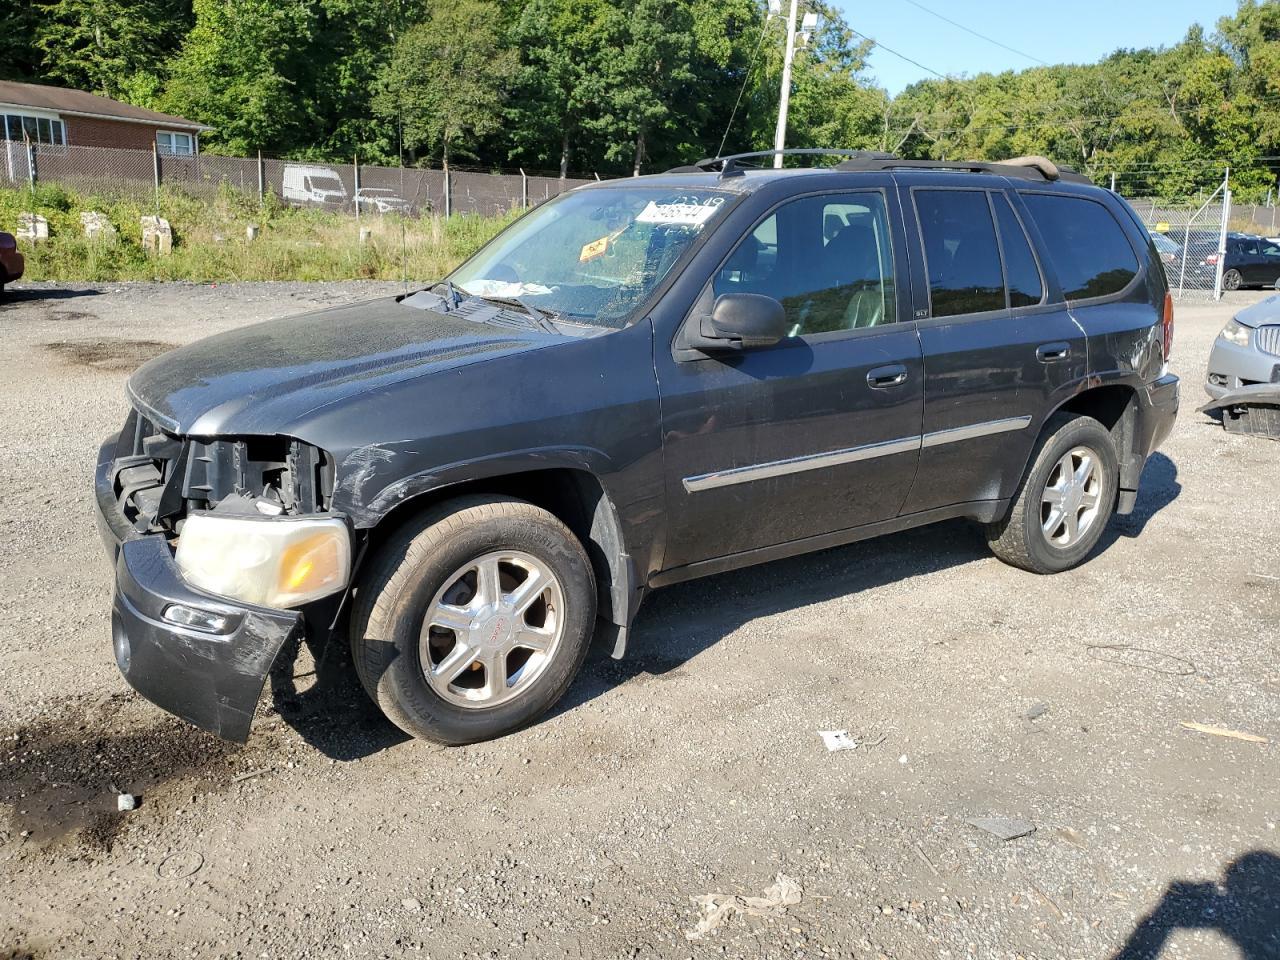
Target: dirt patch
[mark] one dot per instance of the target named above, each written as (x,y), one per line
(60,775)
(108,354)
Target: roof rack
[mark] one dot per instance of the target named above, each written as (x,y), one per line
(731,166)
(1022,168)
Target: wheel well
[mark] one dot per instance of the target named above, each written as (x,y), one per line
(1115,406)
(575,497)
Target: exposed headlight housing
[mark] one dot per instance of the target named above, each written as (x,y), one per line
(278,562)
(1236,333)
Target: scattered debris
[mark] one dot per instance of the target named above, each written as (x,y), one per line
(718,907)
(249,775)
(1036,711)
(919,851)
(1048,900)
(179,866)
(903,760)
(1223,732)
(126,802)
(1071,836)
(412,904)
(1141,658)
(838,740)
(1005,828)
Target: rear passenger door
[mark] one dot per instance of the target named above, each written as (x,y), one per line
(999,345)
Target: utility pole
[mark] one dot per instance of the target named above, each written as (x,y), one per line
(780,136)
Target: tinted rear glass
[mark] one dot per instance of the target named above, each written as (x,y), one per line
(960,250)
(1089,250)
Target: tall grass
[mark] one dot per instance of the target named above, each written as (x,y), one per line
(209,242)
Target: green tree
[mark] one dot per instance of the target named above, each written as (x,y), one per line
(447,79)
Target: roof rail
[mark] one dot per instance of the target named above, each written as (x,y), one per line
(731,167)
(1022,168)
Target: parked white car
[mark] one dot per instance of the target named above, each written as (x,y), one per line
(308,184)
(380,200)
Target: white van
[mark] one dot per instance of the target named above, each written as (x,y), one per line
(307,184)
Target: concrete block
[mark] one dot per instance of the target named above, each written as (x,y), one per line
(97,226)
(157,237)
(33,227)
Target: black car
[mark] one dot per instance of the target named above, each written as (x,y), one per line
(1250,262)
(638,383)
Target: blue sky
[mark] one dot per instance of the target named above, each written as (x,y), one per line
(1079,32)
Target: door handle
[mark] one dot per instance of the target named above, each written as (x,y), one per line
(1049,352)
(892,375)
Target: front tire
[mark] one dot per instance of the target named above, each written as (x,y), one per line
(473,620)
(1065,501)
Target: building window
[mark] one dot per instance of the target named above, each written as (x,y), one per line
(176,144)
(43,130)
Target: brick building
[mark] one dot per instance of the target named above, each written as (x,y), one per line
(58,117)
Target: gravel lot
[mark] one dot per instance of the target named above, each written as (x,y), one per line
(693,767)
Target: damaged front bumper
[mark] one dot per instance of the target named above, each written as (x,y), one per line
(209,677)
(1254,410)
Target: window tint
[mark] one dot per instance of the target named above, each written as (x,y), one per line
(960,251)
(1089,250)
(828,259)
(1021,273)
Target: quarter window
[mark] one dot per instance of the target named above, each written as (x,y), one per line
(1021,273)
(1088,249)
(960,252)
(828,259)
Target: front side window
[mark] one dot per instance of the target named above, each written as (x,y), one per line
(1086,245)
(827,259)
(960,252)
(594,255)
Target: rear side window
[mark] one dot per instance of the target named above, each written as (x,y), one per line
(960,251)
(1089,250)
(1023,276)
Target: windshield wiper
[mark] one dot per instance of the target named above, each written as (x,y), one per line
(539,316)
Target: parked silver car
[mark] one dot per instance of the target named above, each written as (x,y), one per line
(1244,371)
(1247,351)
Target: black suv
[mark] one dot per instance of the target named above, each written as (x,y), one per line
(638,383)
(1250,262)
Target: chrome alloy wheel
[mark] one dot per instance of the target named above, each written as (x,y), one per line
(1072,497)
(492,629)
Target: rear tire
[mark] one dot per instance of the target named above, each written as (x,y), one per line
(1065,500)
(505,659)
(1231,280)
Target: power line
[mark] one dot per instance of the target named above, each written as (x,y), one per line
(901,56)
(980,36)
(764,27)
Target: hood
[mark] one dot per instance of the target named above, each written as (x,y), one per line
(1261,313)
(261,378)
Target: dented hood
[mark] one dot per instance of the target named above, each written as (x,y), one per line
(261,378)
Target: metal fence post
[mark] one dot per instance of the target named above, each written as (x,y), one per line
(1222,234)
(355,182)
(261,179)
(448,195)
(1113,183)
(524,190)
(31,164)
(155,166)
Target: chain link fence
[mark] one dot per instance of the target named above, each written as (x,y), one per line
(359,190)
(1190,234)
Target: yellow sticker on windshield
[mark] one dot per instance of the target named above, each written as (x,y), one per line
(595,248)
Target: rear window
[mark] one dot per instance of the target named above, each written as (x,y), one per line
(1086,245)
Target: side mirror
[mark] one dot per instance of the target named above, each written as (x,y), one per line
(743,321)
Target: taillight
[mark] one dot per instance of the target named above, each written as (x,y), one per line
(1168,325)
(1211,259)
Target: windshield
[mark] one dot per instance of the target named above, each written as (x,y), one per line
(592,256)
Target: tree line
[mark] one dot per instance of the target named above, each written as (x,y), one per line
(626,86)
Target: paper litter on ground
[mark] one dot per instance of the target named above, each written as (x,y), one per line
(718,907)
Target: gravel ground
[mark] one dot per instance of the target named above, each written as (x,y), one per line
(693,767)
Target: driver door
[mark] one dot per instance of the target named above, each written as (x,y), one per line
(820,432)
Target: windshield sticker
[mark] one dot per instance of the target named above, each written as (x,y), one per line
(680,214)
(504,288)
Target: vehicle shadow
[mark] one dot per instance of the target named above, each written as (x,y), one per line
(315,690)
(678,622)
(1244,908)
(1157,488)
(17,296)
